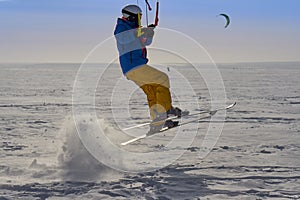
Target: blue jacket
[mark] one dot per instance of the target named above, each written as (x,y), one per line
(132,49)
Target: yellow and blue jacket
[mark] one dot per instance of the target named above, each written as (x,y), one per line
(132,49)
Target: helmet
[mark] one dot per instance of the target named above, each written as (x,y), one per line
(131,10)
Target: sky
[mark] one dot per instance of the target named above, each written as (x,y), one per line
(67,30)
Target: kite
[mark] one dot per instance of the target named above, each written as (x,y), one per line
(227,19)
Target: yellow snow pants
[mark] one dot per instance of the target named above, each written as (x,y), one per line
(155,85)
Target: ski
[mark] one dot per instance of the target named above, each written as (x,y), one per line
(210,114)
(184,116)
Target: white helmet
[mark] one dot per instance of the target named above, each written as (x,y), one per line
(131,10)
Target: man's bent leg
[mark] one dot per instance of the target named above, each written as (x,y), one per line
(150,91)
(156,86)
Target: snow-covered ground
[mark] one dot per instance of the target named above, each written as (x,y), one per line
(256,156)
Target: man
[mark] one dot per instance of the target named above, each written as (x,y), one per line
(132,40)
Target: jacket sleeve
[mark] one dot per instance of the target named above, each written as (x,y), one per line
(148,41)
(124,36)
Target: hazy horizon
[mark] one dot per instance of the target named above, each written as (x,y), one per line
(170,63)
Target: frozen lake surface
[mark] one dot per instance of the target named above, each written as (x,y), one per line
(256,157)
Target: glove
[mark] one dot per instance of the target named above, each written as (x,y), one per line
(148,32)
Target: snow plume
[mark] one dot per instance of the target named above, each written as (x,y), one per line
(77,163)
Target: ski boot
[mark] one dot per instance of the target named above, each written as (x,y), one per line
(155,128)
(175,111)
